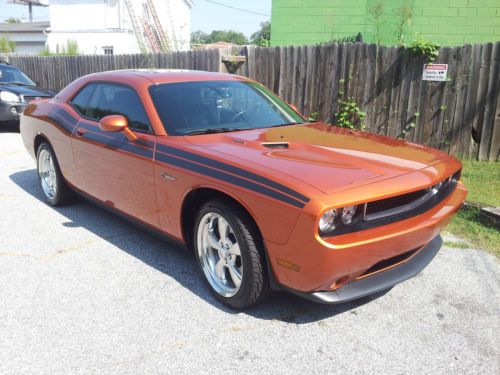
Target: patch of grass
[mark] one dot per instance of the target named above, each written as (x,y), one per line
(483,182)
(456,245)
(466,225)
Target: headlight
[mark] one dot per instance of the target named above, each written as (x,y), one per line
(348,214)
(327,221)
(6,96)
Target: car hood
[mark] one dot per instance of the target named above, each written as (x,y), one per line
(325,157)
(28,90)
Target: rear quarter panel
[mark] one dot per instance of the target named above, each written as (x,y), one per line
(38,120)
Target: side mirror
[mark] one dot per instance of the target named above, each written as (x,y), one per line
(117,123)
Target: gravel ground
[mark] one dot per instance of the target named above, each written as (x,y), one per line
(84,292)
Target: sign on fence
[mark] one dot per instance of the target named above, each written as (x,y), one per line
(435,72)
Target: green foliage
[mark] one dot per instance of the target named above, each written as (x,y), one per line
(376,17)
(262,37)
(12,20)
(406,130)
(483,182)
(70,49)
(349,114)
(405,15)
(346,39)
(229,36)
(6,45)
(313,116)
(423,48)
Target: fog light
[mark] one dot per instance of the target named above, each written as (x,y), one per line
(347,214)
(13,110)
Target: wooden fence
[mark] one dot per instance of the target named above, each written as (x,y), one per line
(460,116)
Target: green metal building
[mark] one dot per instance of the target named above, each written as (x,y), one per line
(446,22)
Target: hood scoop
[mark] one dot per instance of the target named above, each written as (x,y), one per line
(276,144)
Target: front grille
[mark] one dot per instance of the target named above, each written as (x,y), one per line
(393,202)
(31,98)
(410,201)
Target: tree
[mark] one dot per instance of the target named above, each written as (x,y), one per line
(262,37)
(199,37)
(229,36)
(6,45)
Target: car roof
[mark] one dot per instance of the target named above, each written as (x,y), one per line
(159,76)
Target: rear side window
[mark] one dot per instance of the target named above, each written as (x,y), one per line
(81,100)
(103,99)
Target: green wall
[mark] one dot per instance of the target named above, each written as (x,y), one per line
(446,22)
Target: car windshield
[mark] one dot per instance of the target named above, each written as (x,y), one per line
(9,74)
(190,108)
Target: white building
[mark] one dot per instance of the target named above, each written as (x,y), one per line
(29,37)
(120,26)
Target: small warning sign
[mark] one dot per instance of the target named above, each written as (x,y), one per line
(435,72)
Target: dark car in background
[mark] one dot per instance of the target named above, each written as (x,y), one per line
(16,91)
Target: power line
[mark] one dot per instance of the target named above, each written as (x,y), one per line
(241,10)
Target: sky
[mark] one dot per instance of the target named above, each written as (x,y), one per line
(205,16)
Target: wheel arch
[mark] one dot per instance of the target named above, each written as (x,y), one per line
(195,198)
(38,140)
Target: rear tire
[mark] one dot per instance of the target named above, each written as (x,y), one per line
(55,190)
(230,254)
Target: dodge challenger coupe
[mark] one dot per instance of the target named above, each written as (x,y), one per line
(266,200)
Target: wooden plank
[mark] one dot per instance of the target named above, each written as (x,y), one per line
(440,106)
(310,62)
(302,76)
(457,125)
(329,77)
(482,91)
(495,139)
(470,105)
(282,75)
(490,107)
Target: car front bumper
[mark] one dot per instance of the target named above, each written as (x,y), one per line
(11,111)
(313,264)
(380,281)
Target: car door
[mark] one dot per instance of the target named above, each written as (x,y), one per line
(113,169)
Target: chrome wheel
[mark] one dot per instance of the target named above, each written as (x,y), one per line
(47,173)
(219,254)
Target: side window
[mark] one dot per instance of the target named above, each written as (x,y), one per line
(109,99)
(81,100)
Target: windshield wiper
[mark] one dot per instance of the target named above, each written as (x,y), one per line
(288,124)
(216,130)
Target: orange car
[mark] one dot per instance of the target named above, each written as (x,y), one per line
(266,200)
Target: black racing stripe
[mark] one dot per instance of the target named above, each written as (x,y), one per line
(120,142)
(67,116)
(231,169)
(61,121)
(117,144)
(185,164)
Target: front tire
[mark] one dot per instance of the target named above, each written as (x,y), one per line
(230,254)
(54,188)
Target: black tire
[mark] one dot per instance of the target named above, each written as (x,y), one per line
(63,193)
(254,286)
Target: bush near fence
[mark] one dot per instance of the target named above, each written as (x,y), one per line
(460,116)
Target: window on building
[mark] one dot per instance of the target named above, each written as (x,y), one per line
(108,50)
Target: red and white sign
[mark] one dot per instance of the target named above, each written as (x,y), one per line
(435,72)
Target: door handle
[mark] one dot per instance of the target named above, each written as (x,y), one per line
(80,132)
